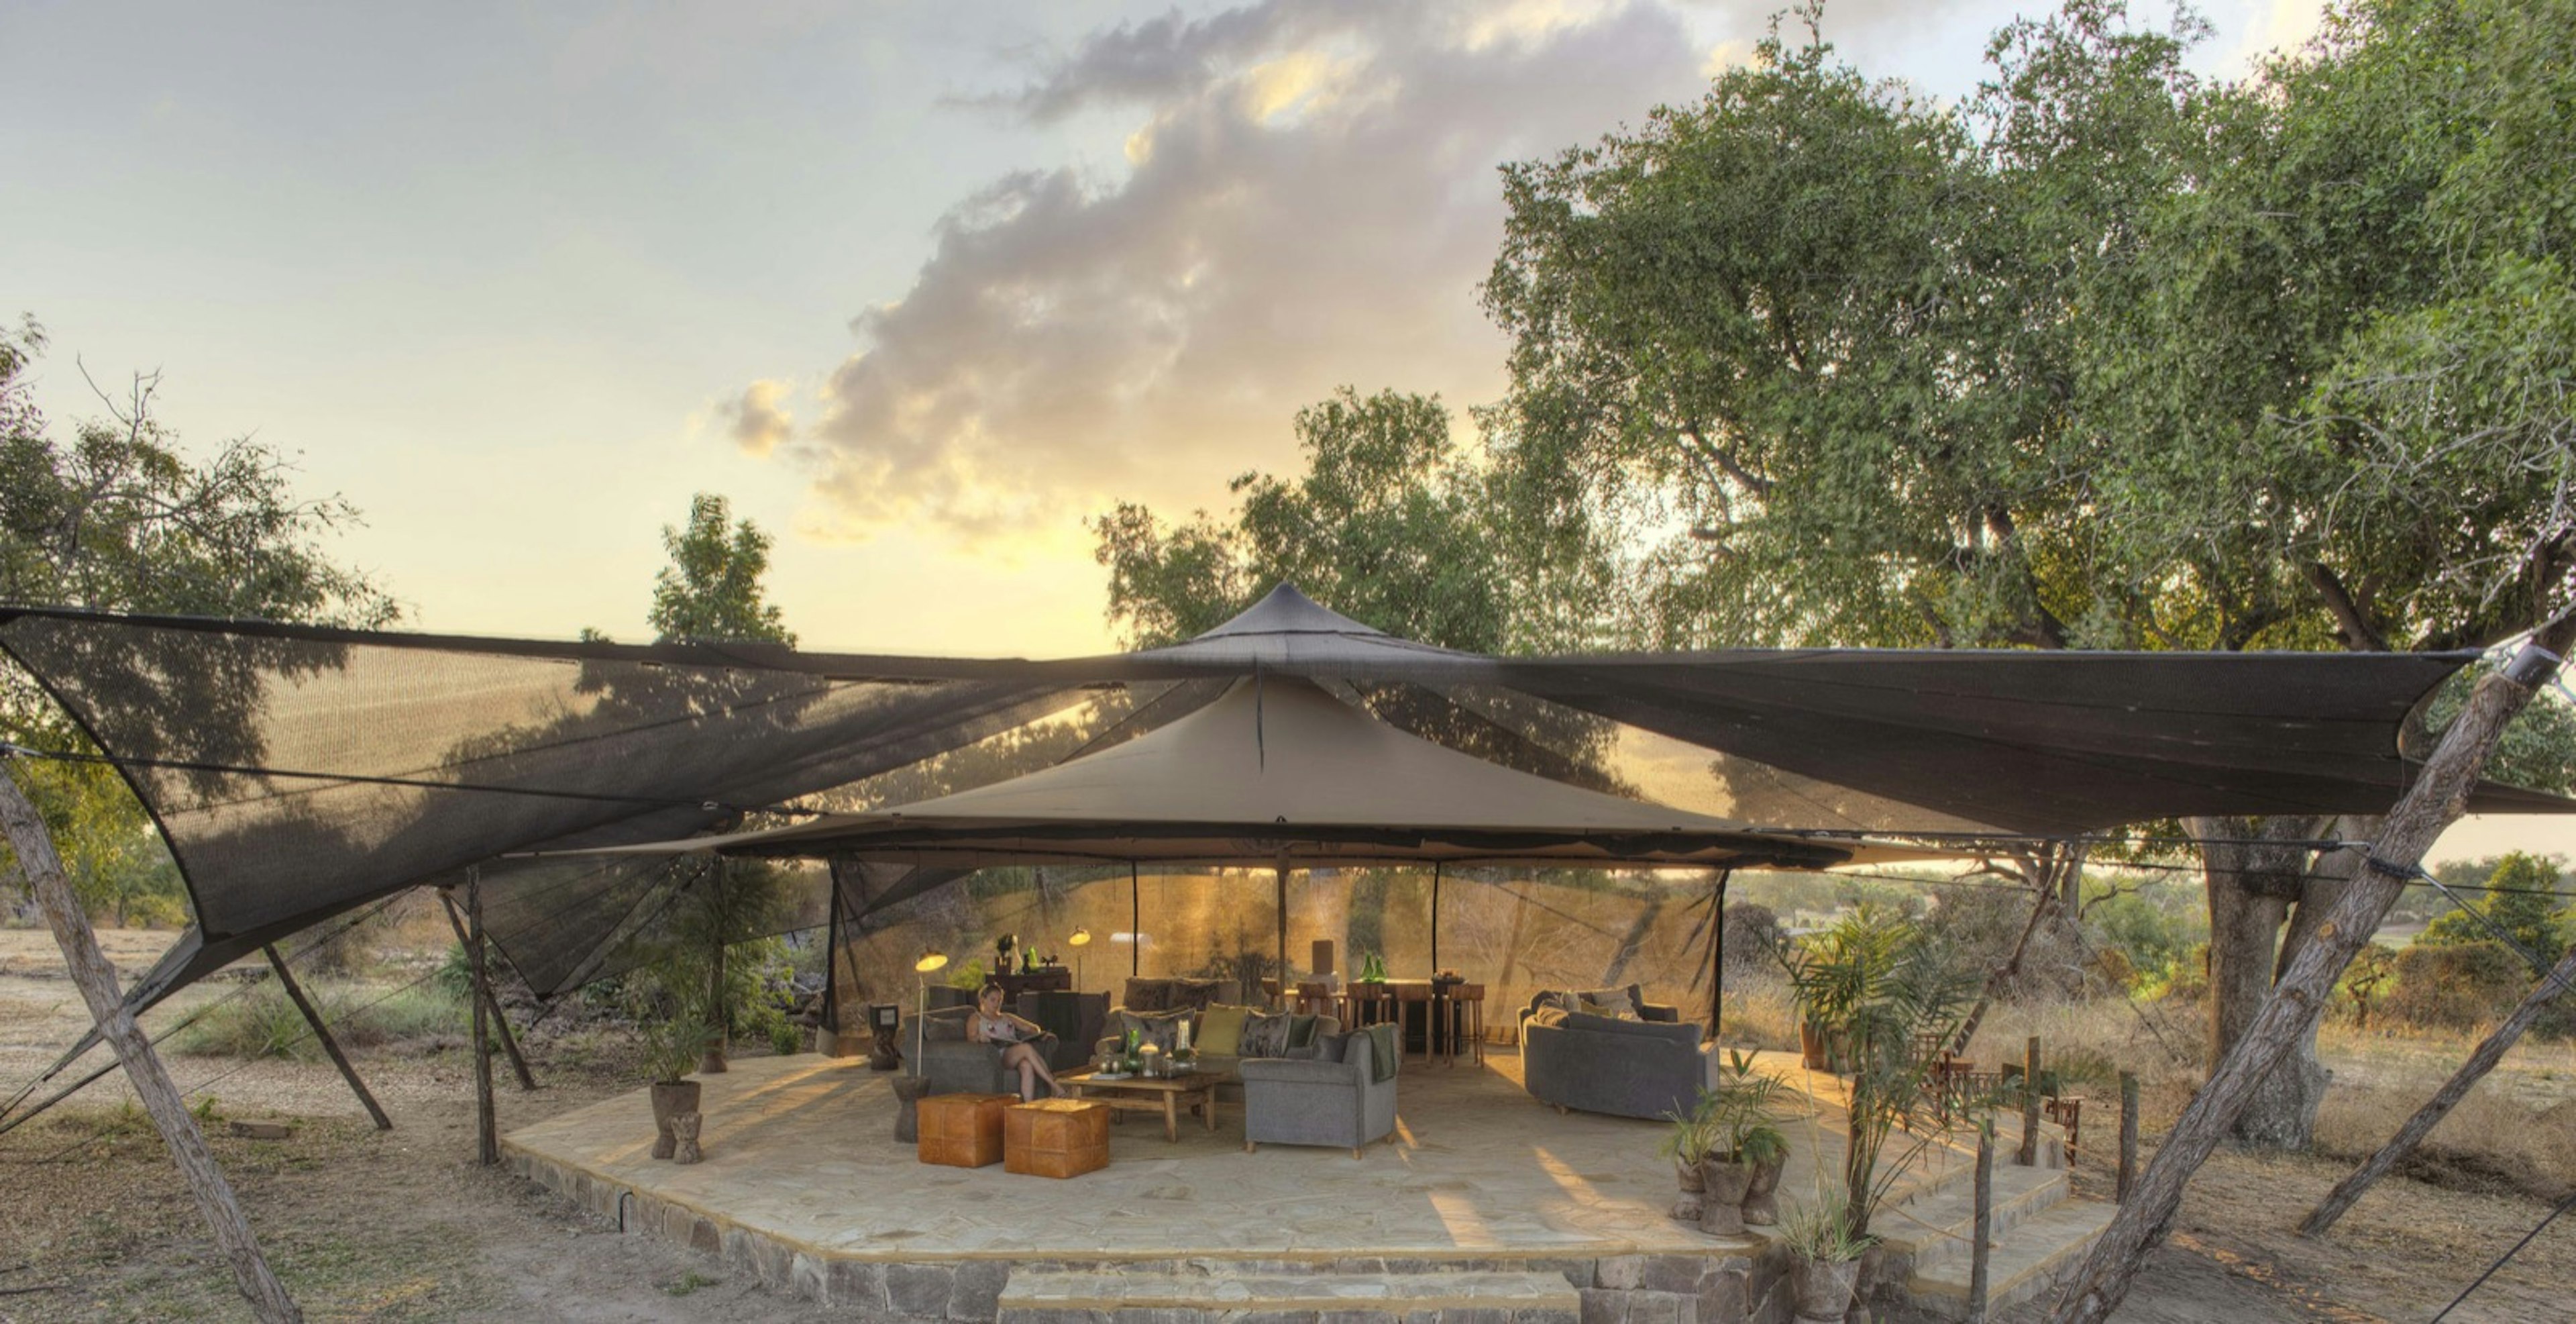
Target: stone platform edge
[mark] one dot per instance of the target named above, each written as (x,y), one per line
(1743,1284)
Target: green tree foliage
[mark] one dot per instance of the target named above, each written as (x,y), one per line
(711,592)
(2522,900)
(1385,526)
(119,516)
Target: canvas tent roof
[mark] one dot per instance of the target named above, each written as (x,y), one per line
(1280,770)
(300,771)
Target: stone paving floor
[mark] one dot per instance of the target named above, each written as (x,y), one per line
(802,1149)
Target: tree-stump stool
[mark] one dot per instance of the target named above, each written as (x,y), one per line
(907,1114)
(684,1134)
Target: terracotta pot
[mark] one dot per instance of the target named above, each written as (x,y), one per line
(1811,1046)
(1824,1290)
(1686,1208)
(670,1099)
(1721,1212)
(1762,1194)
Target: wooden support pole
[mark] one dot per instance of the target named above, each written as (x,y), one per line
(1717,958)
(487,1139)
(2340,1199)
(1435,916)
(1135,921)
(2435,799)
(1284,990)
(483,991)
(96,978)
(321,1032)
(1980,1250)
(2029,1153)
(2128,1136)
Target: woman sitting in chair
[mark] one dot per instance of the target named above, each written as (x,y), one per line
(1017,1038)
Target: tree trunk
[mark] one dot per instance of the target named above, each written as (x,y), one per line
(2437,798)
(96,978)
(2341,1198)
(2252,886)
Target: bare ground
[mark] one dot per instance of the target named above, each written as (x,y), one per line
(95,1225)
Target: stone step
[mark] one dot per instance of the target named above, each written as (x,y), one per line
(2022,1265)
(1110,1297)
(1939,1223)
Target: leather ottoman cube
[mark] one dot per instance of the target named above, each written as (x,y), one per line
(962,1130)
(1055,1138)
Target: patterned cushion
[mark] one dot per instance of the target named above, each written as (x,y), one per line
(1548,1015)
(1193,994)
(1161,1029)
(1266,1035)
(1147,995)
(1618,1002)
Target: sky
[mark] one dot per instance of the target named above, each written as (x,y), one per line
(919,286)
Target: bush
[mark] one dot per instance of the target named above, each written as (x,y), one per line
(2457,986)
(261,1022)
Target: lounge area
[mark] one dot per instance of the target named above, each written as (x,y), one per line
(805,1185)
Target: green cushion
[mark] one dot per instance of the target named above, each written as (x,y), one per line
(1220,1029)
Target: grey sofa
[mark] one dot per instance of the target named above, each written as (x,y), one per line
(1600,1064)
(1332,1101)
(954,1064)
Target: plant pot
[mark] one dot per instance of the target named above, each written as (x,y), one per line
(1811,1046)
(1824,1290)
(670,1099)
(1686,1208)
(1721,1212)
(1762,1193)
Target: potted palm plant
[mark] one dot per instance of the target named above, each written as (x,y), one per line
(1825,1251)
(673,1044)
(1766,1152)
(1687,1143)
(1737,1107)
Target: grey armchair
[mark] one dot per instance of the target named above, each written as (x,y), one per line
(1316,1101)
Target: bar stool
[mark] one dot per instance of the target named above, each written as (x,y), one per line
(1407,997)
(1370,1003)
(1468,1006)
(1315,998)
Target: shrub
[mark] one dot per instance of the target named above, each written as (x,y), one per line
(2457,985)
(261,1022)
(2521,900)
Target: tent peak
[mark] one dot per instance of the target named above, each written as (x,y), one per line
(1285,610)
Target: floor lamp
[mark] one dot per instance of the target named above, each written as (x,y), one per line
(930,960)
(1081,938)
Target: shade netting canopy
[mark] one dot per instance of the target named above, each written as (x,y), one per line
(1281,771)
(300,771)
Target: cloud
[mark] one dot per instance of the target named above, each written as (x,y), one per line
(757,420)
(1310,200)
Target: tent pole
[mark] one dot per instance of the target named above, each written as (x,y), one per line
(1135,921)
(322,1033)
(1283,931)
(1435,917)
(483,990)
(1717,958)
(832,968)
(42,868)
(487,1140)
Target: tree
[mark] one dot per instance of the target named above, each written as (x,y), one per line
(2522,901)
(2106,357)
(710,592)
(120,517)
(1384,526)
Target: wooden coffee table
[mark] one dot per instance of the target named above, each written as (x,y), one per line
(1151,1094)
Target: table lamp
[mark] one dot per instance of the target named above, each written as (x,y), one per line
(930,960)
(1081,938)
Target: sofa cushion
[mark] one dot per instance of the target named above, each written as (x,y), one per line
(1670,1033)
(1551,1014)
(1619,1002)
(1194,994)
(1265,1034)
(1220,1030)
(1161,1028)
(1301,1030)
(1147,995)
